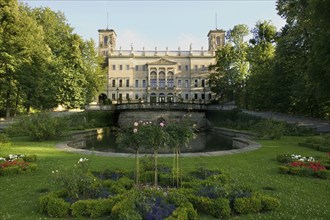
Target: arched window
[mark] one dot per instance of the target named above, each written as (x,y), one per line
(170,82)
(105,41)
(170,97)
(153,79)
(161,97)
(218,40)
(153,98)
(161,79)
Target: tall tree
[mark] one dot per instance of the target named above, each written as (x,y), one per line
(261,59)
(231,70)
(301,58)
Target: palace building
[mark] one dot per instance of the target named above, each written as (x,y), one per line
(159,75)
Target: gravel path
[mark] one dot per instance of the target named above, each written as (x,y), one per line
(317,124)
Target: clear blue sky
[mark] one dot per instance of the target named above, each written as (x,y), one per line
(160,23)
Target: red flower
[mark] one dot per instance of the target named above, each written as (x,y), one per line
(315,166)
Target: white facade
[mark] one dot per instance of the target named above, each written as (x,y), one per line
(158,76)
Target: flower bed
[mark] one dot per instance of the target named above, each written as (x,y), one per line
(113,193)
(305,165)
(17,164)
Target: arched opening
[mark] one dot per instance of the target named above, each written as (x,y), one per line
(218,40)
(161,97)
(105,41)
(153,80)
(103,98)
(153,98)
(170,97)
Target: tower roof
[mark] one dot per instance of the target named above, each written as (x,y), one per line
(106,30)
(215,31)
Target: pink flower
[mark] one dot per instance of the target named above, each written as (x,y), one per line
(162,124)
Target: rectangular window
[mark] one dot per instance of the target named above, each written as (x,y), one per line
(170,83)
(113,83)
(113,67)
(136,68)
(179,67)
(120,96)
(196,96)
(144,83)
(153,83)
(186,83)
(144,67)
(127,96)
(203,83)
(136,96)
(187,68)
(162,83)
(186,96)
(136,83)
(179,83)
(203,96)
(120,83)
(127,82)
(127,67)
(203,68)
(210,96)
(196,83)
(196,67)
(113,96)
(120,67)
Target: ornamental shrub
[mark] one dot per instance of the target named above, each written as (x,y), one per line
(247,205)
(269,203)
(284,169)
(179,213)
(57,207)
(323,174)
(30,158)
(284,158)
(125,209)
(221,208)
(79,208)
(92,208)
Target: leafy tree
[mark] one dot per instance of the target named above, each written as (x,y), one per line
(232,69)
(155,137)
(179,135)
(261,59)
(301,65)
(132,137)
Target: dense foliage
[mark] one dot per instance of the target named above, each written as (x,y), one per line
(286,71)
(43,64)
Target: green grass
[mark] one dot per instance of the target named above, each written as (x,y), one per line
(301,197)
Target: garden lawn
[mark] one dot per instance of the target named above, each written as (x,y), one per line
(300,197)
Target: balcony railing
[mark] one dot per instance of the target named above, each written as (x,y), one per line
(160,106)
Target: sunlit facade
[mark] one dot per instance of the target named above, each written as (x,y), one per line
(159,75)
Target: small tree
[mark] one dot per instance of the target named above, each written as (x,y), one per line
(132,138)
(179,135)
(155,137)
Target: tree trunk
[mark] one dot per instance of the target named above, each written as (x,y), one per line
(137,164)
(177,167)
(156,169)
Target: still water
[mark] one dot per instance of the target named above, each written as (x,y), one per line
(203,142)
